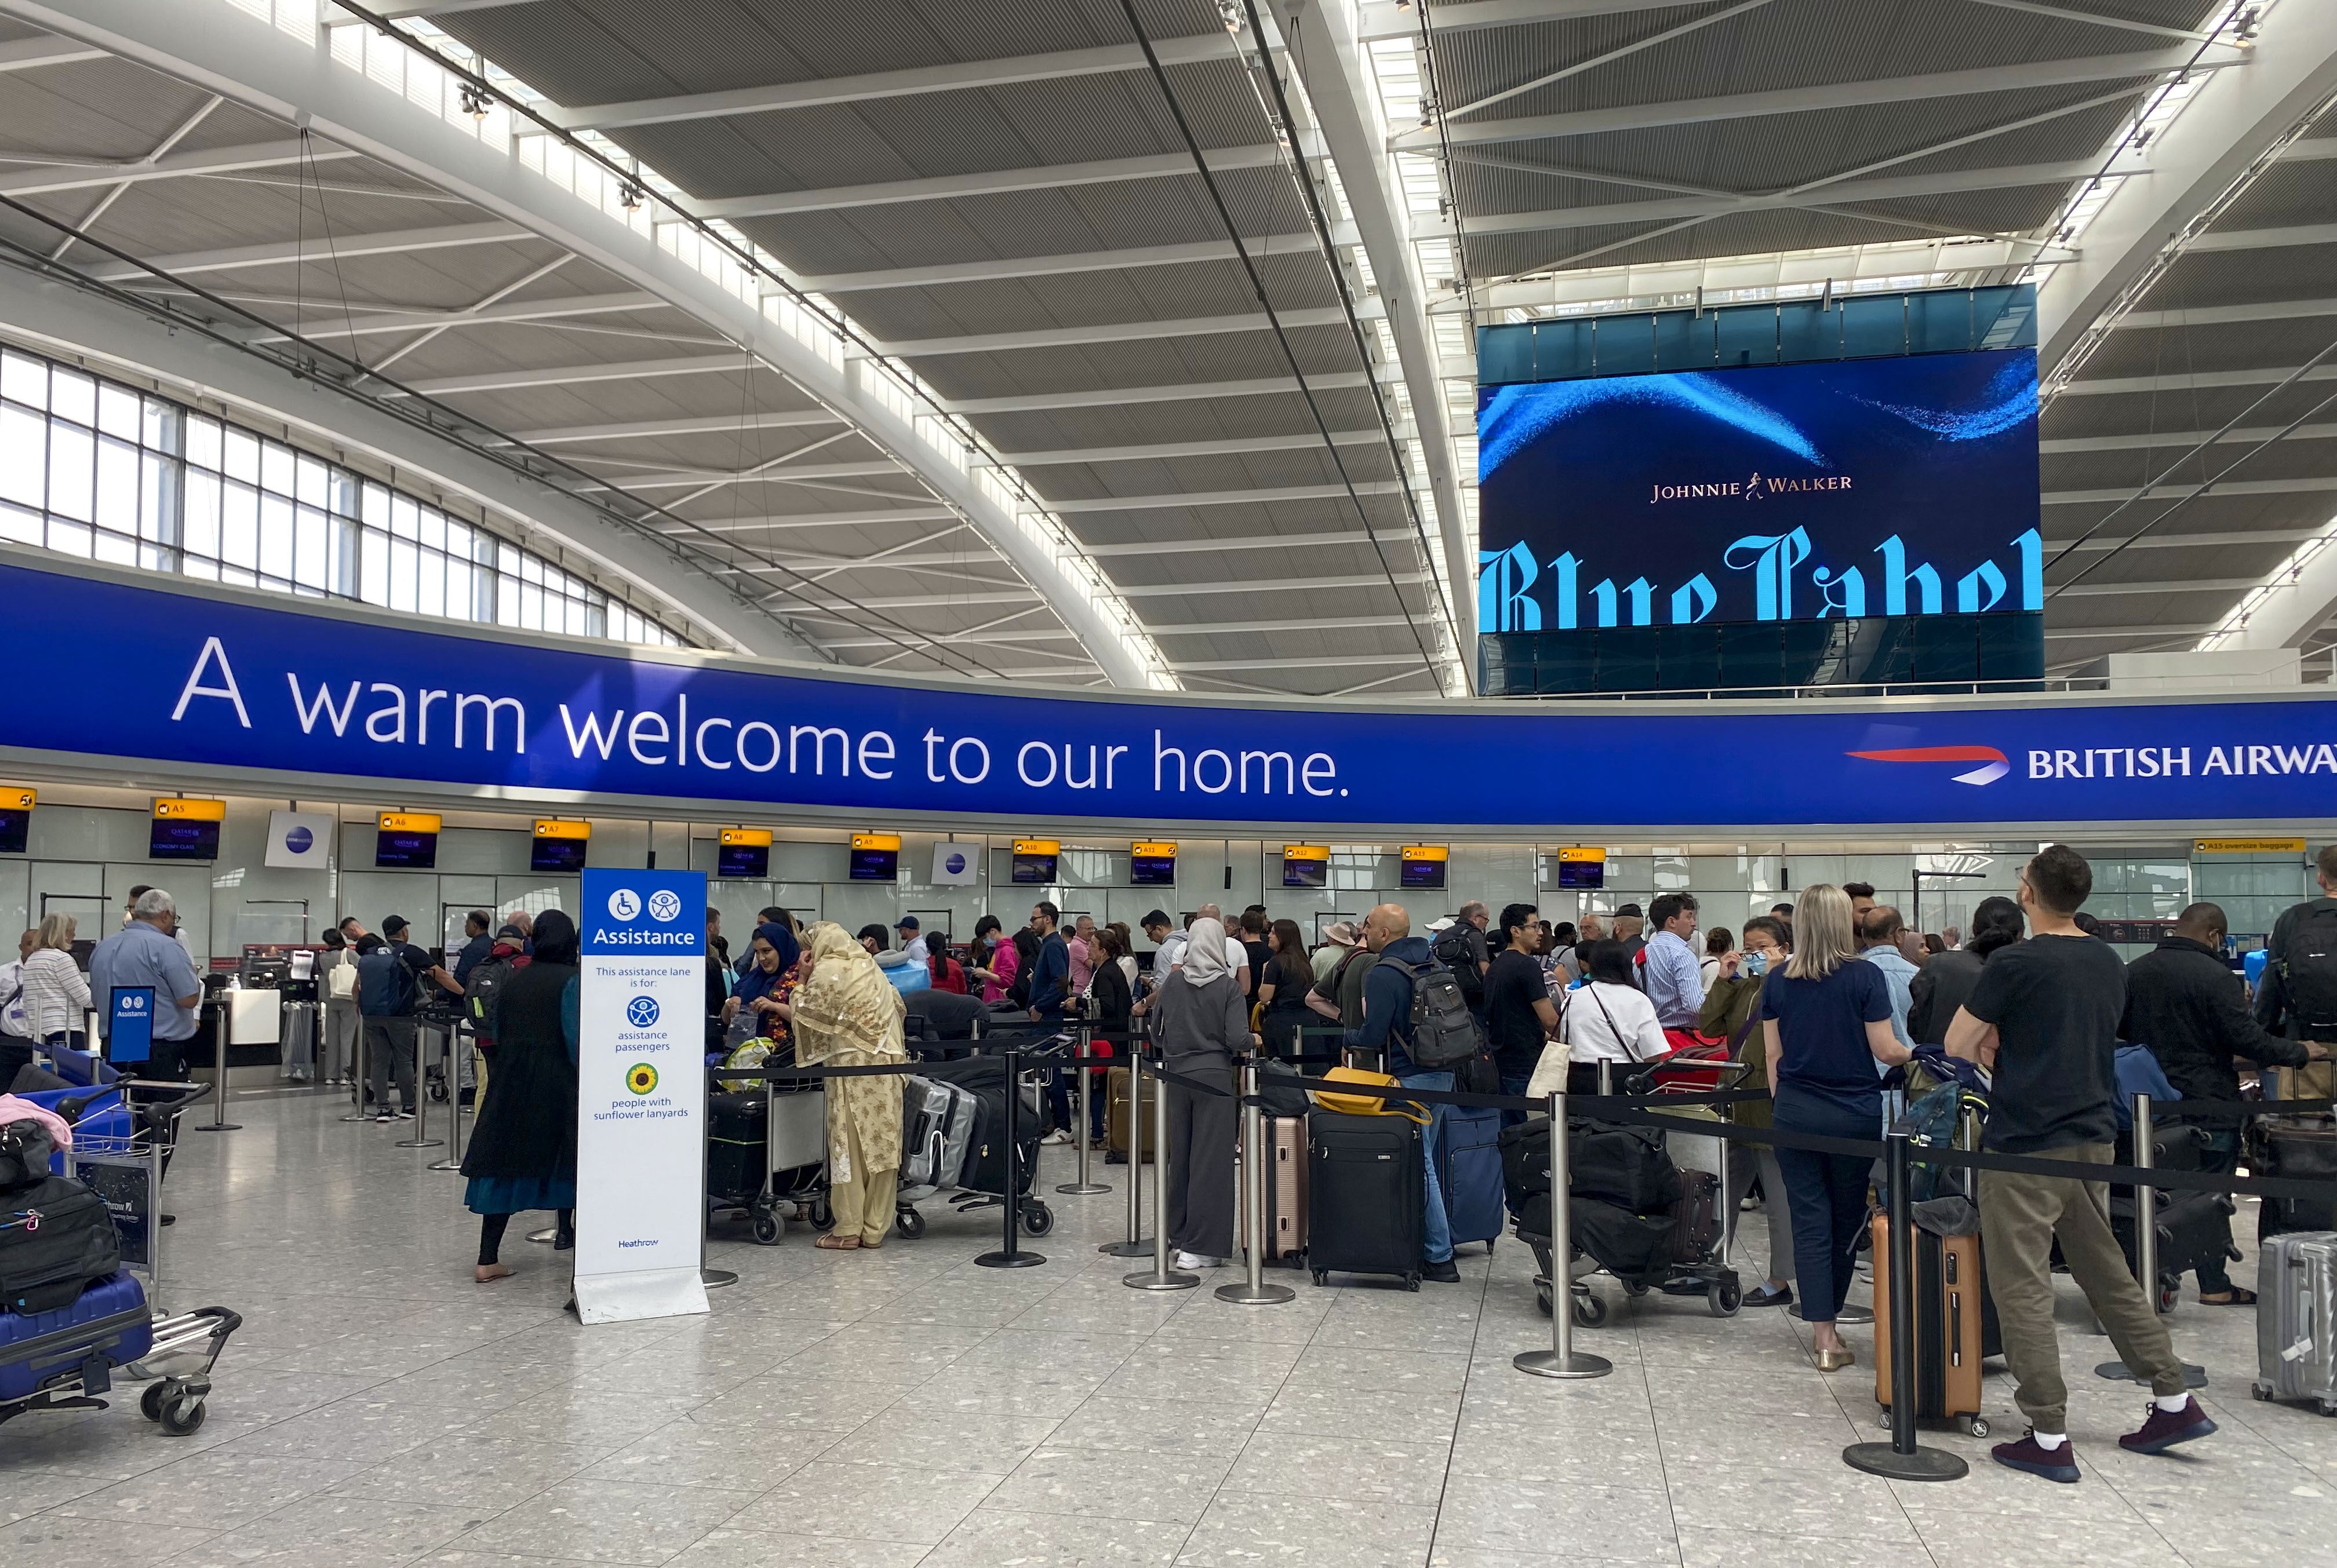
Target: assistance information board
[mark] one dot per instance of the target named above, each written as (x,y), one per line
(641,1095)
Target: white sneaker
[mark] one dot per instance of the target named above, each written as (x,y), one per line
(1056,1138)
(1195,1260)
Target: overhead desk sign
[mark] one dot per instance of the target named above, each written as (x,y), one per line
(209,676)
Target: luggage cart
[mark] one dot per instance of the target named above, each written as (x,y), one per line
(184,1349)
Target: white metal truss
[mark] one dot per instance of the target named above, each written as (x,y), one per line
(43,178)
(916,81)
(1177,392)
(1224,446)
(343,247)
(993,183)
(1658,114)
(491,312)
(1119,332)
(1012,267)
(1267,495)
(1722,203)
(702,424)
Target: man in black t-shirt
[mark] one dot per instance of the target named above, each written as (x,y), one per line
(2044,1015)
(1519,1013)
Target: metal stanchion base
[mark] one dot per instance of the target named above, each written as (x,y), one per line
(1173,1280)
(546,1236)
(715,1279)
(1551,1364)
(1008,1261)
(1127,1249)
(419,1144)
(445,1165)
(1241,1295)
(221,1126)
(1923,1465)
(1081,1189)
(2194,1374)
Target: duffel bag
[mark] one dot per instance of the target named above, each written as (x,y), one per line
(1525,1159)
(1634,1248)
(1624,1165)
(55,1237)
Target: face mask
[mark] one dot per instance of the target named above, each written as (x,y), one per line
(1756,962)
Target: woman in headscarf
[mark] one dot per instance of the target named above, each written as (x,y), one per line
(763,991)
(1203,1018)
(848,1014)
(522,1152)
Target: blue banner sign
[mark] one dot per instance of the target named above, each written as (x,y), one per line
(130,1032)
(1878,487)
(233,681)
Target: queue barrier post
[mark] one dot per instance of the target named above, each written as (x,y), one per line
(1605,1078)
(1901,1459)
(1561,1359)
(454,1159)
(421,1102)
(1253,1290)
(1011,1255)
(2146,1202)
(219,1031)
(1085,1184)
(364,1081)
(1134,1245)
(1160,1276)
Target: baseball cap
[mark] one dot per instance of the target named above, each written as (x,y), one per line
(1632,911)
(906,923)
(393,926)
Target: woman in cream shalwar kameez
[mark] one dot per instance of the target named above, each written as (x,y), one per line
(848,1015)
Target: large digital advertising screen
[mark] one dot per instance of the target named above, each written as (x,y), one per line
(1896,486)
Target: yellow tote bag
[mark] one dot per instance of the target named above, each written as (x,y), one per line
(1365,1105)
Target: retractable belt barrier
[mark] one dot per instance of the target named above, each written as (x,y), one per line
(1650,1111)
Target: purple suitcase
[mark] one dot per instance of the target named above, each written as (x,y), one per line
(110,1324)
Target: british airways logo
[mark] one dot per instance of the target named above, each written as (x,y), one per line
(1995,764)
(2118,762)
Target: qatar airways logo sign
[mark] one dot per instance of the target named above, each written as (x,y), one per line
(2130,761)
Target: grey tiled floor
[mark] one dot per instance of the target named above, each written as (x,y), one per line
(900,1407)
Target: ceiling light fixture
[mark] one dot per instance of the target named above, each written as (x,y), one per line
(476,103)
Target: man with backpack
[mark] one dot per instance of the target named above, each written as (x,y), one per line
(2298,998)
(390,972)
(505,957)
(1416,1018)
(1461,947)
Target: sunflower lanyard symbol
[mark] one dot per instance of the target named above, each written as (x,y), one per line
(641,1078)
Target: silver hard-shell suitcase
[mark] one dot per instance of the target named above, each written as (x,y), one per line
(2296,1319)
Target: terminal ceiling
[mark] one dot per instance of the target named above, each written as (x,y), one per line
(1003,203)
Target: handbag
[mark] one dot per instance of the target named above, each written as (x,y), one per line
(1366,1105)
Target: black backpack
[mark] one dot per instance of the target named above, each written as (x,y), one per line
(480,993)
(1451,950)
(2308,974)
(1442,1032)
(56,1236)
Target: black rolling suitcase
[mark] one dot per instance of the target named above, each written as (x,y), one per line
(737,1150)
(1367,1195)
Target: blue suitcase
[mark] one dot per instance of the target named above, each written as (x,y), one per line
(108,1328)
(1468,1170)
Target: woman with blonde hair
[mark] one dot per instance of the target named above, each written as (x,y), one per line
(846,1014)
(1825,1019)
(57,993)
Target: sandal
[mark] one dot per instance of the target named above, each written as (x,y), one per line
(832,1243)
(2237,1296)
